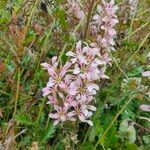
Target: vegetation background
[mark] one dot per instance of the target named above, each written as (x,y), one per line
(31,32)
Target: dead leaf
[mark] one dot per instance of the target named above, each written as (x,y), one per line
(38,29)
(18,35)
(14,17)
(1,115)
(34,146)
(9,142)
(2,67)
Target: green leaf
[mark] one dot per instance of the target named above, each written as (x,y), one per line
(49,133)
(123,127)
(135,72)
(131,134)
(60,13)
(86,146)
(127,132)
(131,147)
(146,139)
(23,119)
(92,135)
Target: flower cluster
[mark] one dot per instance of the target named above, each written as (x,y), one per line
(71,88)
(75,9)
(103,25)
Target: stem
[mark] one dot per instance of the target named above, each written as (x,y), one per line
(115,118)
(131,25)
(143,128)
(47,122)
(85,138)
(17,94)
(141,44)
(65,46)
(42,50)
(41,108)
(140,28)
(3,92)
(62,52)
(88,18)
(32,13)
(123,72)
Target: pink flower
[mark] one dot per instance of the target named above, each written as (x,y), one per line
(110,8)
(56,74)
(145,108)
(91,53)
(86,106)
(105,59)
(82,117)
(61,115)
(68,101)
(102,75)
(71,87)
(52,100)
(48,90)
(82,90)
(86,61)
(78,89)
(93,30)
(105,21)
(75,9)
(146,74)
(92,88)
(78,56)
(87,71)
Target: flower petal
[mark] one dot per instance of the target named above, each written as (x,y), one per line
(70,53)
(145,108)
(89,122)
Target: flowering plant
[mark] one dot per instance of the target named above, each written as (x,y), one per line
(74,74)
(71,87)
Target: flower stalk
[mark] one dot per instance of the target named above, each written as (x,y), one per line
(71,87)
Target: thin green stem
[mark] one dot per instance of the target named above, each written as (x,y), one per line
(41,108)
(47,122)
(3,92)
(42,50)
(141,44)
(17,94)
(123,72)
(131,25)
(85,137)
(112,122)
(143,12)
(32,13)
(140,28)
(62,52)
